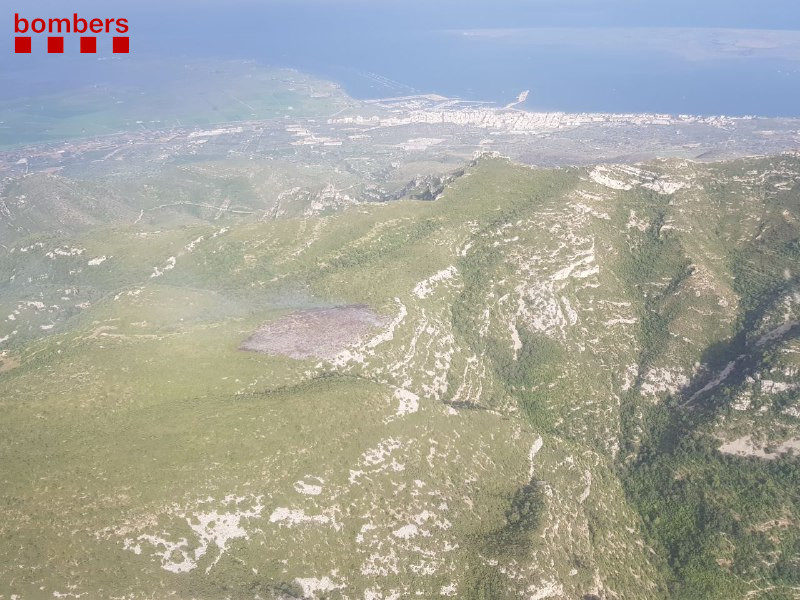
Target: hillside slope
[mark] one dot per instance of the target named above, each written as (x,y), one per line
(574,383)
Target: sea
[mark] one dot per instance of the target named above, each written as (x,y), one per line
(679,57)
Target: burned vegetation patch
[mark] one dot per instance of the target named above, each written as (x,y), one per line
(316,332)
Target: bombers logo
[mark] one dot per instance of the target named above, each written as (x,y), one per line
(25,29)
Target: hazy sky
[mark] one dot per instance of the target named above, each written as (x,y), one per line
(187,27)
(229,14)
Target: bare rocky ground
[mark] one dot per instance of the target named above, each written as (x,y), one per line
(746,446)
(315,333)
(7,363)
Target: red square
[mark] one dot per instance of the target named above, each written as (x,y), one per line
(22,45)
(88,45)
(120,45)
(55,45)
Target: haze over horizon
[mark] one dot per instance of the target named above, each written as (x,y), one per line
(713,57)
